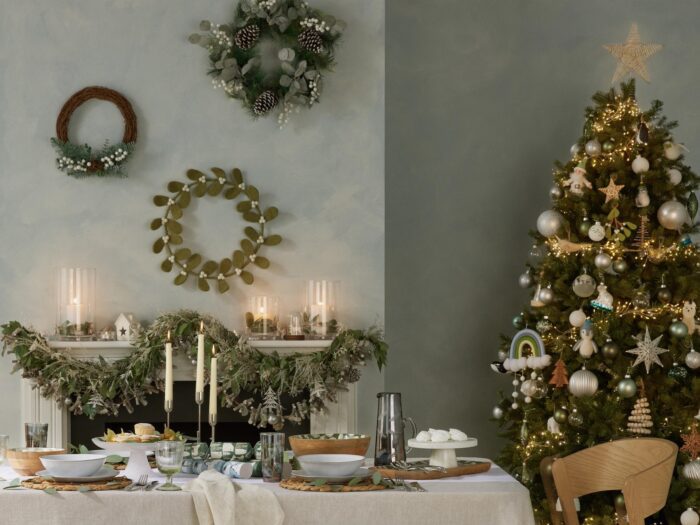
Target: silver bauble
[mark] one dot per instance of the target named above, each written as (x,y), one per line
(674,175)
(525,280)
(583,383)
(692,360)
(584,285)
(664,294)
(550,222)
(596,232)
(575,149)
(593,148)
(577,318)
(602,261)
(620,265)
(691,470)
(555,193)
(678,329)
(518,321)
(672,215)
(610,350)
(497,412)
(627,387)
(546,295)
(537,252)
(272,419)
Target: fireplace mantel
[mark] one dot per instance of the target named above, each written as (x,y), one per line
(341,416)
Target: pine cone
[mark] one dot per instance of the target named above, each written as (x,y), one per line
(265,102)
(247,37)
(311,40)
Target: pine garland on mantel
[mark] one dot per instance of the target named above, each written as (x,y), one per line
(93,387)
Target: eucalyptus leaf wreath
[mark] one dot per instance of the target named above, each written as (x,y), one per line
(102,387)
(275,53)
(187,263)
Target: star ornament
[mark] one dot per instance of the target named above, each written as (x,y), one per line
(691,443)
(632,55)
(611,191)
(647,351)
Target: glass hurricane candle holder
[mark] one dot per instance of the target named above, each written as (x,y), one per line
(262,317)
(75,317)
(321,310)
(295,327)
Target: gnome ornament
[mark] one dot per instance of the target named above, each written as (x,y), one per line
(586,346)
(577,180)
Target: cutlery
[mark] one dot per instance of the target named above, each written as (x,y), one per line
(151,486)
(141,482)
(418,486)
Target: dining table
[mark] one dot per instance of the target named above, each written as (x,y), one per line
(489,498)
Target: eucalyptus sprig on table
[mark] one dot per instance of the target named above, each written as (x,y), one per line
(101,387)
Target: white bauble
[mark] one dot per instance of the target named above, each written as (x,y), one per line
(672,215)
(690,517)
(640,165)
(691,470)
(584,285)
(602,261)
(672,150)
(675,176)
(583,383)
(596,232)
(577,318)
(575,149)
(692,360)
(550,222)
(593,148)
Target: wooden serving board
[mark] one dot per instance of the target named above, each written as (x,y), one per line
(463,469)
(304,485)
(39,483)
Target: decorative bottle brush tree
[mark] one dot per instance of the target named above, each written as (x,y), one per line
(614,278)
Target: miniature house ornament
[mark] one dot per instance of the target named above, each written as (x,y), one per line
(127,327)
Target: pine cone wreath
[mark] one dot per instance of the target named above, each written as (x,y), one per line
(265,102)
(311,40)
(247,37)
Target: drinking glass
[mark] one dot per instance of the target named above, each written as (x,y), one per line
(4,439)
(36,435)
(169,455)
(272,453)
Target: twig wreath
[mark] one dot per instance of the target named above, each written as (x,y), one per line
(275,51)
(79,160)
(101,387)
(187,263)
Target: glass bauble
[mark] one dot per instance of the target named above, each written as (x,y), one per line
(575,418)
(678,372)
(641,299)
(584,285)
(691,470)
(544,325)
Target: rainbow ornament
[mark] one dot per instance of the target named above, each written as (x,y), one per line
(527,351)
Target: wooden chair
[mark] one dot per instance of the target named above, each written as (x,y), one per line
(641,468)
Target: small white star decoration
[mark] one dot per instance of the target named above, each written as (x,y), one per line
(632,55)
(647,351)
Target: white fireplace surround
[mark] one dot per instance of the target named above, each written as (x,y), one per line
(341,416)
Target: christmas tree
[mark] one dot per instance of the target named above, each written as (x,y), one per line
(615,277)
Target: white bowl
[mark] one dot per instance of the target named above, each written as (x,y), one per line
(73,465)
(331,464)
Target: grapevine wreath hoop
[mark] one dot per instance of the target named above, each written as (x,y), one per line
(229,186)
(79,160)
(273,54)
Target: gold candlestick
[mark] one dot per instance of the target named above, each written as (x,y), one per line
(199,399)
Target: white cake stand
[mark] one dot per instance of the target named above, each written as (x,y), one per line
(138,462)
(443,454)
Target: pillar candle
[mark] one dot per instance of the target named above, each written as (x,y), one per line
(168,371)
(199,384)
(212,383)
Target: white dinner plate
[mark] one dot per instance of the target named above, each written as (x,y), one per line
(104,474)
(123,453)
(361,473)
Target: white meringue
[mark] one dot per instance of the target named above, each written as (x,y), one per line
(457,435)
(423,436)
(439,436)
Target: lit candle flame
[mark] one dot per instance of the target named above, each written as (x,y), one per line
(168,336)
(201,327)
(213,350)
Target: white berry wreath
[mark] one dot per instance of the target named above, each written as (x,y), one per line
(274,54)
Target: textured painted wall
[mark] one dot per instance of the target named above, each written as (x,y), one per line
(481,97)
(324,172)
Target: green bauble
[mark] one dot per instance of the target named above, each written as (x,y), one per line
(610,350)
(620,265)
(678,329)
(575,418)
(518,321)
(584,227)
(608,146)
(627,387)
(561,415)
(664,294)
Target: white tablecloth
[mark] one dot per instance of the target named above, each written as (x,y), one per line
(492,498)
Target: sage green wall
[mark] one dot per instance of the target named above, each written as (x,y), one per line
(481,97)
(325,172)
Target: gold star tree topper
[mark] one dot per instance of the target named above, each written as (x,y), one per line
(632,55)
(612,191)
(647,351)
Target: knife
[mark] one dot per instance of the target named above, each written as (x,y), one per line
(151,485)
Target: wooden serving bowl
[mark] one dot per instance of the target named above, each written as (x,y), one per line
(26,462)
(305,444)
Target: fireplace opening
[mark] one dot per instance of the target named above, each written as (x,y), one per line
(231,426)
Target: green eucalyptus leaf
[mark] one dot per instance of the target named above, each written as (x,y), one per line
(160,200)
(288,69)
(205,25)
(262,262)
(285,81)
(318,482)
(82,449)
(50,490)
(113,459)
(84,488)
(247,277)
(203,284)
(181,278)
(354,481)
(222,286)
(273,240)
(158,245)
(182,254)
(225,265)
(376,478)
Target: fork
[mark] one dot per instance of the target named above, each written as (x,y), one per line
(139,483)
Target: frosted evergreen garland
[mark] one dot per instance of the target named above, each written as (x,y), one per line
(78,160)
